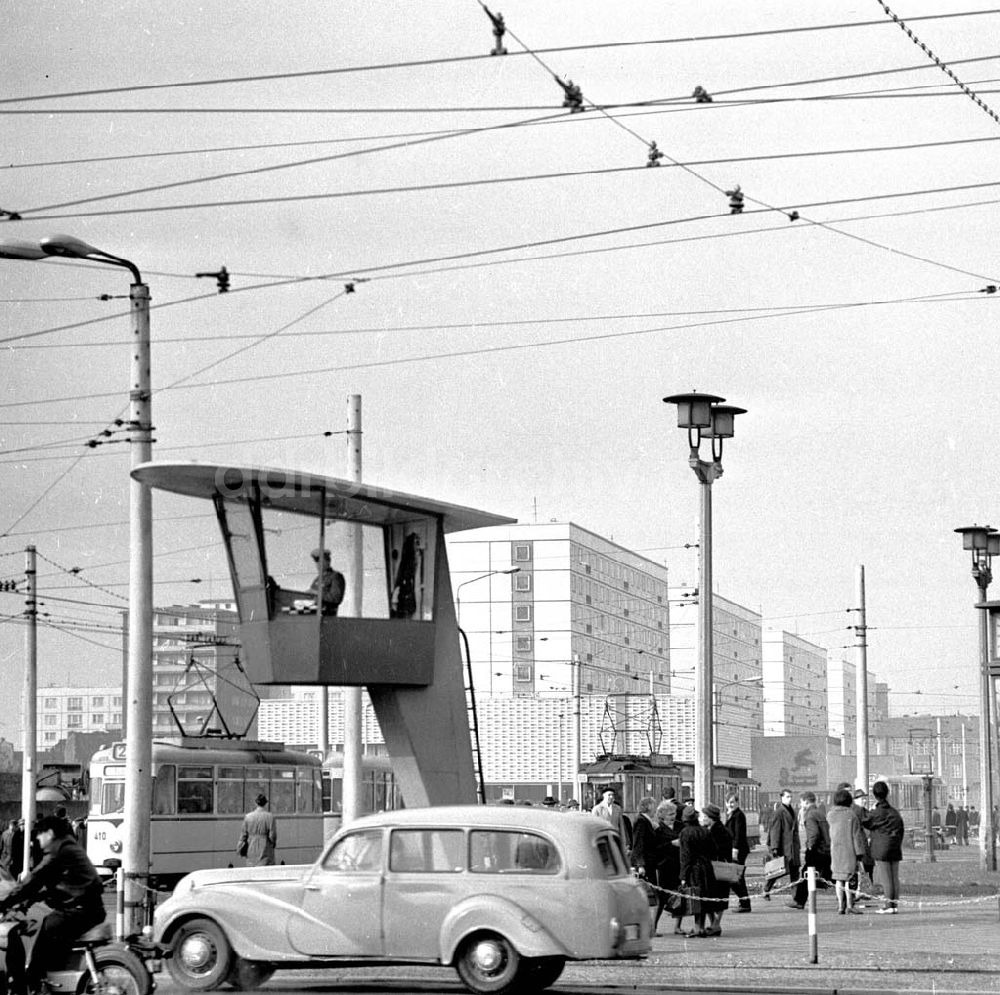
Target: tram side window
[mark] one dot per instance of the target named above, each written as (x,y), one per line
(194,790)
(305,792)
(95,795)
(282,797)
(165,790)
(229,791)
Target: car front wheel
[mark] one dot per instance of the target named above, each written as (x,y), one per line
(488,964)
(202,957)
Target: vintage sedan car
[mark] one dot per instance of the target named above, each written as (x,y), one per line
(506,895)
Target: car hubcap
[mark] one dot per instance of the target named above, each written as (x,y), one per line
(487,956)
(196,953)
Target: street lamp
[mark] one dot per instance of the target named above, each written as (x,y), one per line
(139,674)
(705,417)
(984,543)
(458,610)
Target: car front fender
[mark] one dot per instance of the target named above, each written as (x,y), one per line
(497,915)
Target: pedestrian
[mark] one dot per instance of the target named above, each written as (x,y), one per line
(885,826)
(644,849)
(950,823)
(847,846)
(668,866)
(17,850)
(722,842)
(962,826)
(783,839)
(612,813)
(328,585)
(860,809)
(6,839)
(259,836)
(814,846)
(736,823)
(697,879)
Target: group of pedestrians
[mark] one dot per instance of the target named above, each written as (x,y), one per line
(851,840)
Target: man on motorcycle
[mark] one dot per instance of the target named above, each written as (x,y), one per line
(68,883)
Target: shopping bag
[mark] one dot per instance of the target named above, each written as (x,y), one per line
(726,872)
(774,869)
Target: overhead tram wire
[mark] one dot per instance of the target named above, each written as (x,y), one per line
(477,254)
(416,134)
(269,77)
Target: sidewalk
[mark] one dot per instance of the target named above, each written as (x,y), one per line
(945,938)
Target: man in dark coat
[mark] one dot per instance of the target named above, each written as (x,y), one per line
(783,839)
(259,836)
(736,823)
(814,840)
(962,826)
(886,830)
(68,883)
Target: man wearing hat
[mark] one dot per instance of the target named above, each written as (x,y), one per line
(68,883)
(549,802)
(328,585)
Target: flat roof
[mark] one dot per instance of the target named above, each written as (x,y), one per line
(297,491)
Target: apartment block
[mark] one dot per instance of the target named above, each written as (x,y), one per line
(62,710)
(795,685)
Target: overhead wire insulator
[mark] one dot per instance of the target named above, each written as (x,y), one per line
(572,95)
(735,200)
(701,95)
(221,277)
(654,155)
(499,30)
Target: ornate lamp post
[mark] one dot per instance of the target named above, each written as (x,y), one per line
(705,417)
(984,543)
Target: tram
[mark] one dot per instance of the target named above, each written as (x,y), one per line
(379,788)
(202,788)
(636,777)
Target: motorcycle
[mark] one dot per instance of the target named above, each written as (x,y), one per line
(96,965)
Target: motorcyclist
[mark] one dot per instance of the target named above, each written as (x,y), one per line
(68,883)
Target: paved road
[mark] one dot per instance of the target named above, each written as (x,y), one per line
(948,945)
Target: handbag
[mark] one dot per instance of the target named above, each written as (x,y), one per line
(774,869)
(726,872)
(242,847)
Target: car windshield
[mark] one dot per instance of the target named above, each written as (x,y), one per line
(361,851)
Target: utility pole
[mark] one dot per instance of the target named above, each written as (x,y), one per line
(861,682)
(965,772)
(940,758)
(352,695)
(29,708)
(577,727)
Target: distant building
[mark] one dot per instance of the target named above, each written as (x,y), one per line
(795,693)
(579,607)
(64,710)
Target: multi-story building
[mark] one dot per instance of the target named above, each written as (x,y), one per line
(842,701)
(547,605)
(63,710)
(795,676)
(197,683)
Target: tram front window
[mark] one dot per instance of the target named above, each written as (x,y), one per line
(112,797)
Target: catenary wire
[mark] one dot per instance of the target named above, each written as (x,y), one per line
(469,58)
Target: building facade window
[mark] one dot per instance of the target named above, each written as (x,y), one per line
(74,721)
(522,552)
(522,582)
(74,704)
(522,613)
(51,703)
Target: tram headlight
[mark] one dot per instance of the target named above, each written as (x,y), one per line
(116,846)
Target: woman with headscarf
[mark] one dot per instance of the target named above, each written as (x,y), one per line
(722,844)
(697,880)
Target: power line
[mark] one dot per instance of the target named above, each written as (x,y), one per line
(187,84)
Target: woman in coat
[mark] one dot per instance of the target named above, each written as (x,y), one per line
(847,847)
(722,843)
(668,867)
(696,854)
(886,829)
(644,854)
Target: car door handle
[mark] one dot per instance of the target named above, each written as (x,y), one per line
(310,887)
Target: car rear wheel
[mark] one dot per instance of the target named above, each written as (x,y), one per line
(246,975)
(488,964)
(201,957)
(545,971)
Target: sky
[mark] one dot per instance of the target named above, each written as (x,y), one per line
(526,292)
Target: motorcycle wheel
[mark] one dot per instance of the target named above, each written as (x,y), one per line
(119,972)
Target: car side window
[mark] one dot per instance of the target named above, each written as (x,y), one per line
(494,851)
(425,851)
(361,851)
(612,859)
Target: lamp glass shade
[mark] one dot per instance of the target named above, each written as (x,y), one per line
(723,418)
(69,246)
(694,410)
(993,544)
(19,248)
(974,537)
(50,795)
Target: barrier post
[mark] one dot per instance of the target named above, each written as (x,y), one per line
(811,907)
(120,904)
